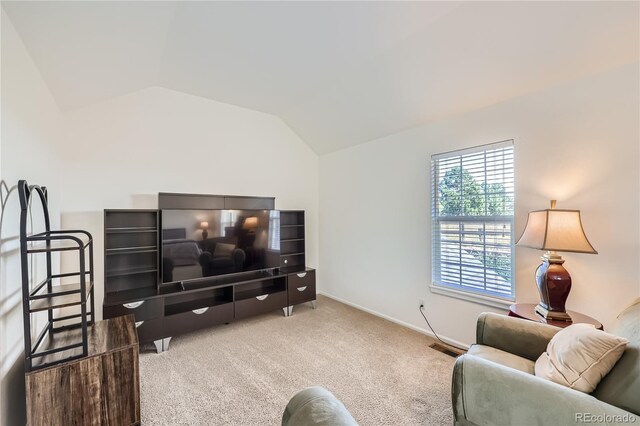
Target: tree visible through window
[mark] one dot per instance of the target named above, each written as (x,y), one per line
(472,217)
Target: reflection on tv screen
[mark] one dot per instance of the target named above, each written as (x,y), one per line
(206,243)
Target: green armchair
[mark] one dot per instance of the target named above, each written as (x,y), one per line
(494,383)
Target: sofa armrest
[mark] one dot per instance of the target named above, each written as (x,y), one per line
(204,258)
(487,393)
(316,406)
(528,339)
(238,256)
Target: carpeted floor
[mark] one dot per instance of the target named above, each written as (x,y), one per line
(244,373)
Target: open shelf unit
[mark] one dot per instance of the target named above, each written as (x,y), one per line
(64,336)
(131,254)
(292,240)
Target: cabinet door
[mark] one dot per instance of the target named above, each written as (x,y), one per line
(121,387)
(149,330)
(66,395)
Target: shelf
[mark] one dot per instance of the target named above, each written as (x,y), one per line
(291,226)
(131,250)
(291,218)
(210,284)
(58,340)
(208,302)
(44,301)
(40,246)
(131,230)
(292,254)
(131,271)
(286,240)
(120,297)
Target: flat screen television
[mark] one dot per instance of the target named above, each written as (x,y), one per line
(198,244)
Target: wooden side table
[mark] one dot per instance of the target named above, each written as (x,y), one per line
(528,311)
(102,388)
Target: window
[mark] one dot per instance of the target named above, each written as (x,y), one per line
(472,220)
(228,221)
(274,230)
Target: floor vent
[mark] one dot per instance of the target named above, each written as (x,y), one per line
(445,350)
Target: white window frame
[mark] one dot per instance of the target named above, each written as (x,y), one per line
(477,296)
(274,230)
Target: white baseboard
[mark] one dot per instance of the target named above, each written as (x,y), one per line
(396,321)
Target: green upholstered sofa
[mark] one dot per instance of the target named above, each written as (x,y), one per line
(494,383)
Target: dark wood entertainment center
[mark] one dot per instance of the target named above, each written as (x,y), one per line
(132,273)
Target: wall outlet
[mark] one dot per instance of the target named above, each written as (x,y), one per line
(421,302)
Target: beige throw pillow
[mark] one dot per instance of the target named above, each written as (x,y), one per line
(223,250)
(579,356)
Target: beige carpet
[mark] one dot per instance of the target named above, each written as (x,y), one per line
(244,373)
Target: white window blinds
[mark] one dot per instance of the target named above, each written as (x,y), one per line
(274,230)
(472,219)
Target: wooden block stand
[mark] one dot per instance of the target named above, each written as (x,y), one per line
(102,388)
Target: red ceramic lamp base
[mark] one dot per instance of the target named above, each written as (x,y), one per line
(554,285)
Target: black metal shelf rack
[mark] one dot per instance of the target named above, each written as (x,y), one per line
(54,343)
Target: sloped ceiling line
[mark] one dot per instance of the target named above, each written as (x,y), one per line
(338,73)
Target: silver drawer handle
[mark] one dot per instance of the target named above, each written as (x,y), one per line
(139,323)
(302,275)
(302,288)
(264,296)
(133,305)
(200,311)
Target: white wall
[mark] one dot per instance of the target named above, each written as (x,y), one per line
(577,143)
(121,153)
(30,128)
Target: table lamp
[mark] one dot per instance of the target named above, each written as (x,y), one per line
(204,226)
(250,223)
(554,230)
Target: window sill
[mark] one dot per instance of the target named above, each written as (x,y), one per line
(494,302)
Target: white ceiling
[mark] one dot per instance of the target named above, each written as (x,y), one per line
(338,73)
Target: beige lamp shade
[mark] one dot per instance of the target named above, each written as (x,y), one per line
(556,230)
(204,225)
(250,223)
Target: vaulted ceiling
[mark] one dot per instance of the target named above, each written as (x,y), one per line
(338,73)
